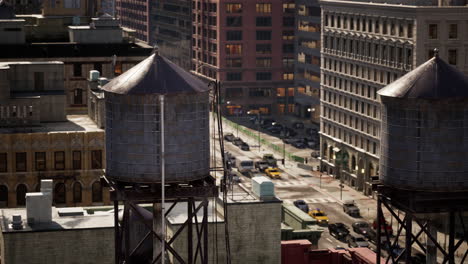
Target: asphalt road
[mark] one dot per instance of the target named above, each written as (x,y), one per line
(296,184)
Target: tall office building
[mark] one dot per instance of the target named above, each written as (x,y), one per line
(249,47)
(172,32)
(307,64)
(365,46)
(134,14)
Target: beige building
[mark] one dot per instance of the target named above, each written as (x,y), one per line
(366,46)
(81,42)
(38,141)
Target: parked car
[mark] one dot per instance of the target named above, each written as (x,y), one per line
(395,250)
(254,173)
(244,146)
(261,165)
(320,216)
(233,178)
(229,137)
(311,144)
(311,131)
(237,141)
(357,241)
(275,130)
(264,123)
(288,140)
(338,230)
(270,159)
(299,144)
(315,154)
(363,228)
(273,173)
(290,132)
(298,125)
(350,208)
(301,204)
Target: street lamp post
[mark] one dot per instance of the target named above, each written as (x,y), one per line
(340,159)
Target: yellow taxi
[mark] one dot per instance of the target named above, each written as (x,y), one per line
(320,216)
(273,173)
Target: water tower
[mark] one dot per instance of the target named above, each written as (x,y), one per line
(157,151)
(424,154)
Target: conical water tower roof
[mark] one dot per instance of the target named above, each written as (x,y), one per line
(431,80)
(155,75)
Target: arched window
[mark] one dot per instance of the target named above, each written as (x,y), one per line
(60,192)
(78,96)
(345,160)
(21,191)
(3,196)
(77,192)
(330,152)
(353,163)
(325,147)
(371,170)
(97,192)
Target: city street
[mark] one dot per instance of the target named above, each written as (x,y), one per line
(317,189)
(297,183)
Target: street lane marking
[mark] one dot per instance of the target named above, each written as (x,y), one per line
(329,240)
(313,200)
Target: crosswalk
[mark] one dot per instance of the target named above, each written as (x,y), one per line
(279,184)
(313,200)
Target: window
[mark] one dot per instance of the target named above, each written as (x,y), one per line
(452,56)
(263,76)
(288,76)
(234,92)
(71,4)
(433,31)
(260,92)
(263,21)
(98,67)
(288,34)
(97,192)
(263,35)
(21,161)
(40,158)
(78,96)
(233,8)
(21,191)
(60,196)
(234,35)
(289,8)
(410,30)
(263,8)
(59,159)
(453,31)
(77,69)
(118,68)
(263,48)
(263,62)
(234,63)
(76,160)
(38,81)
(77,192)
(288,62)
(3,196)
(288,21)
(234,21)
(288,48)
(3,162)
(234,76)
(234,49)
(96,159)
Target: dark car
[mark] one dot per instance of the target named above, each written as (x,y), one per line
(301,204)
(261,165)
(357,241)
(288,140)
(298,125)
(290,132)
(237,141)
(244,146)
(265,123)
(299,144)
(350,208)
(311,131)
(395,250)
(362,227)
(229,137)
(275,130)
(338,230)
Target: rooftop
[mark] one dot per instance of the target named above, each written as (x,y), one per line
(75,123)
(103,219)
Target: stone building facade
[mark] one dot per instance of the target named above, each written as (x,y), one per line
(38,141)
(366,46)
